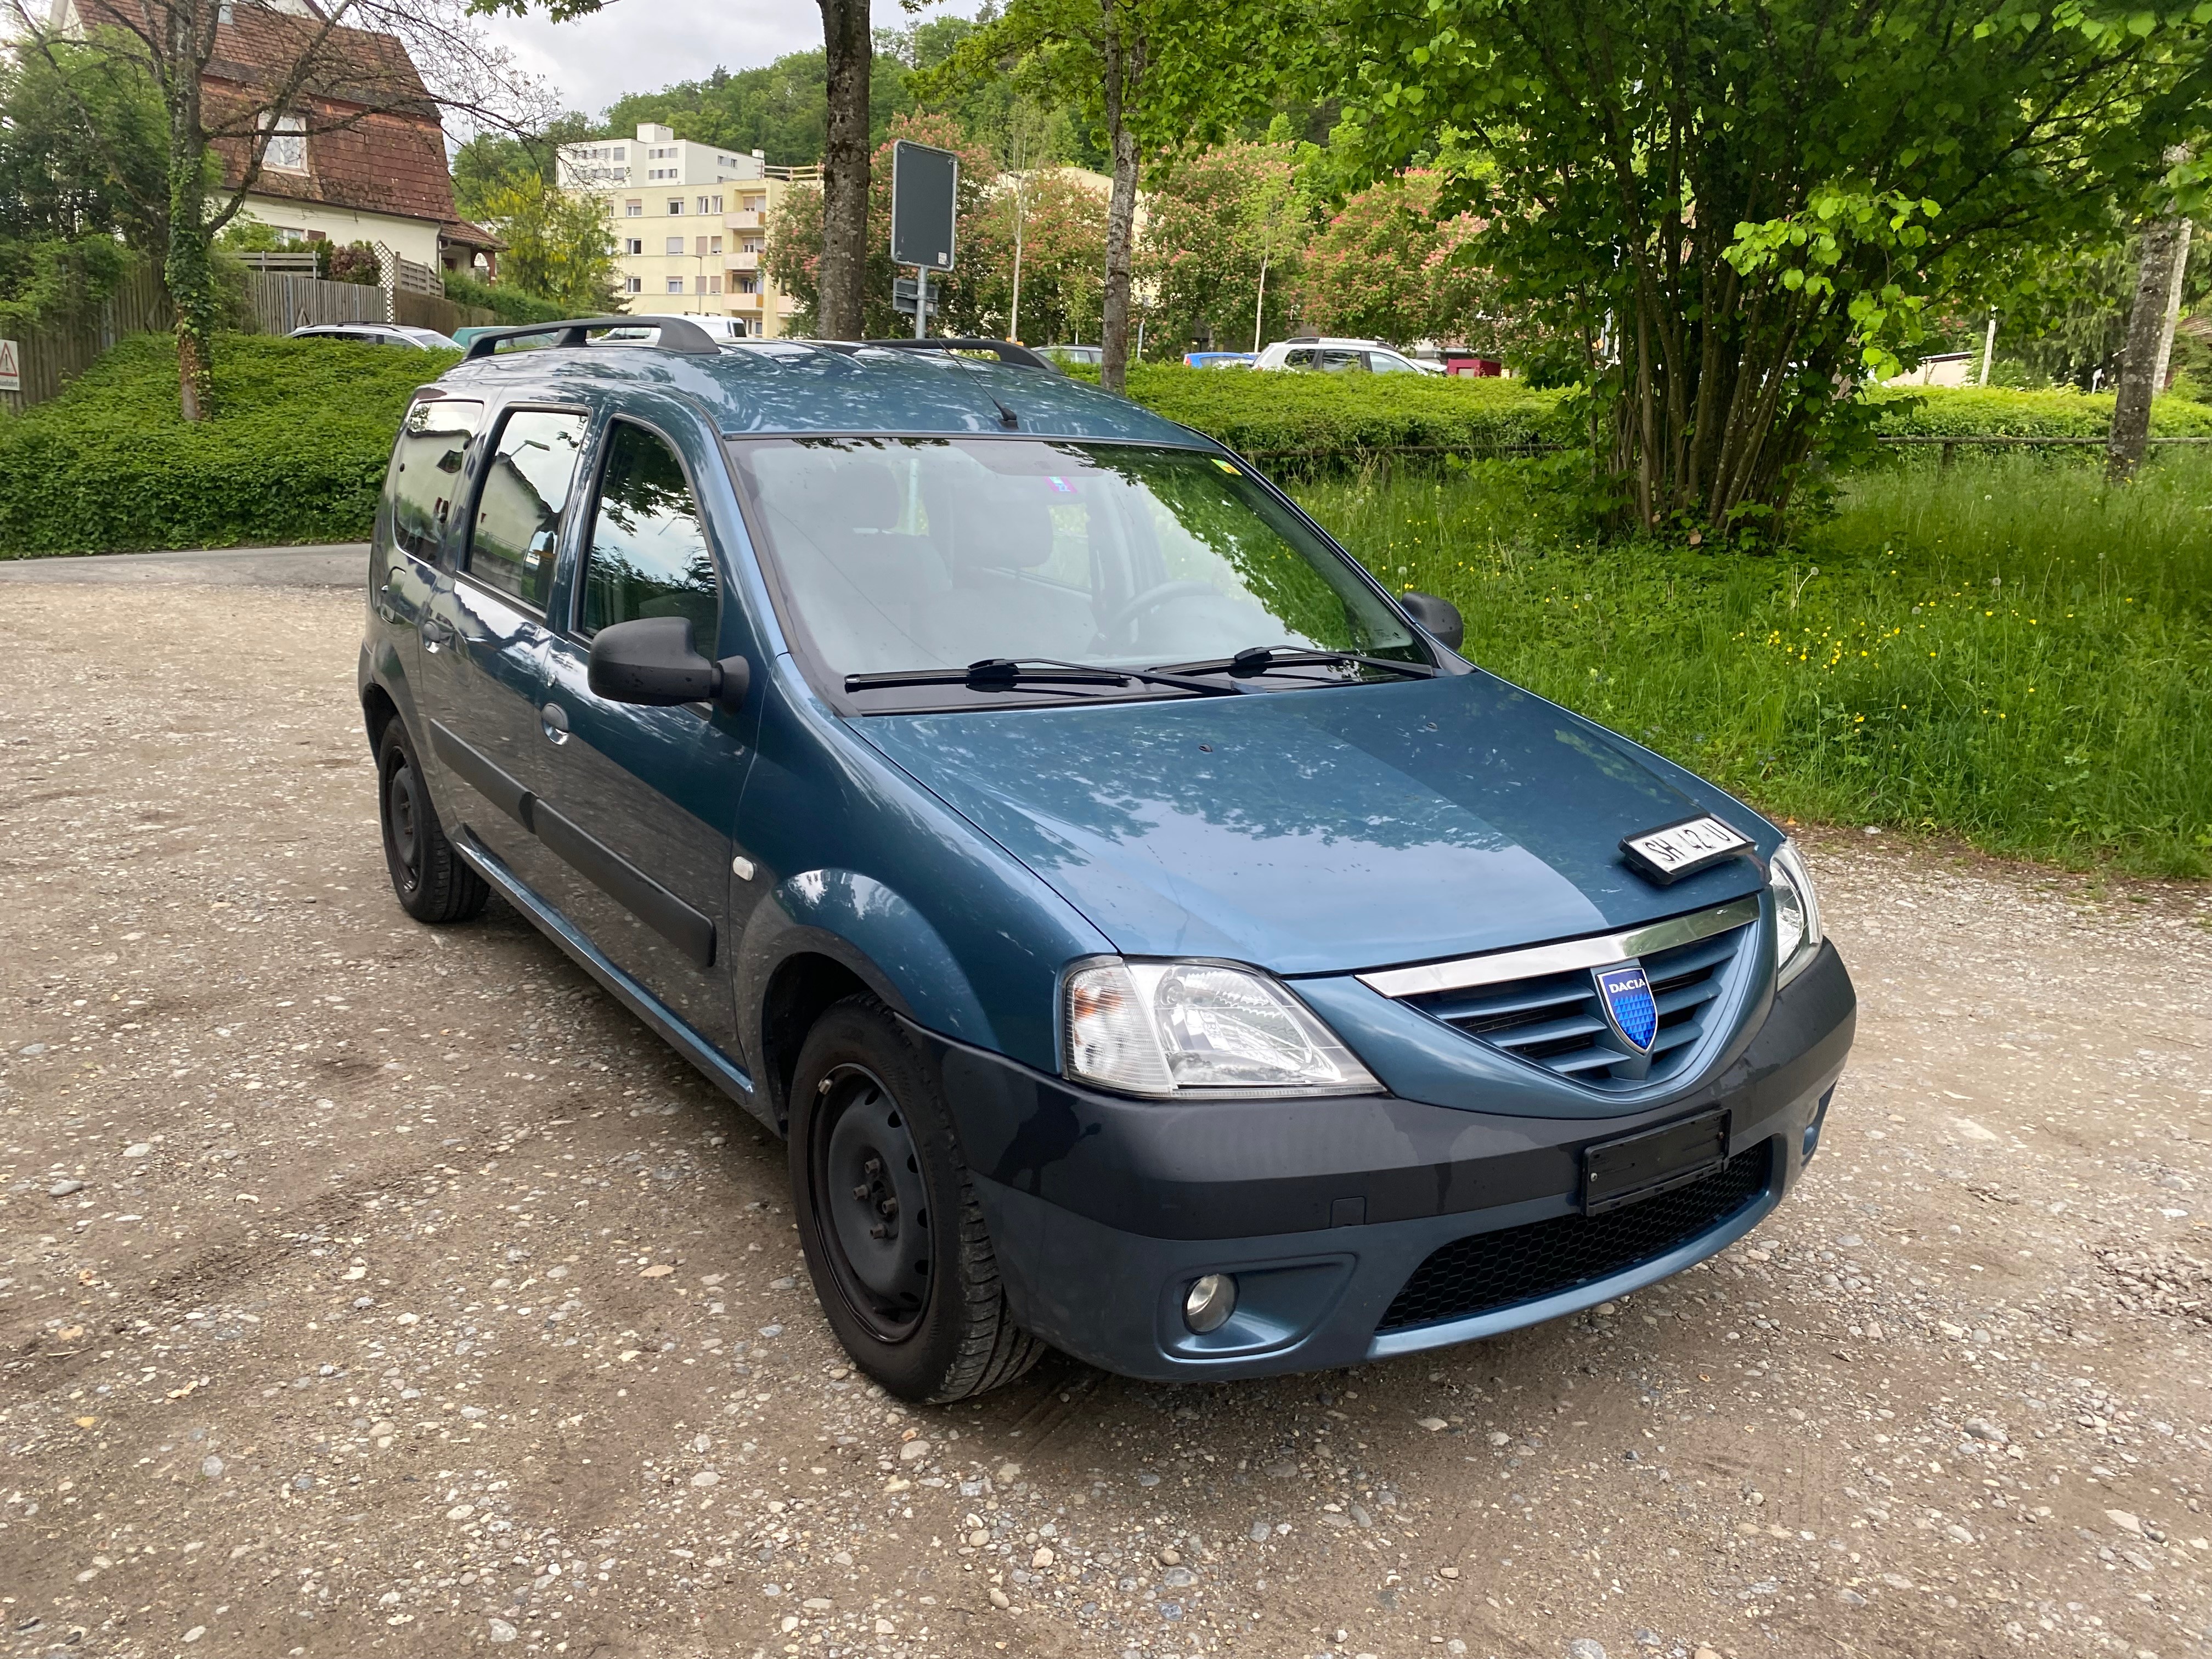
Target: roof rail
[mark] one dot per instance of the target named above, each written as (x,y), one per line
(677,334)
(1007,351)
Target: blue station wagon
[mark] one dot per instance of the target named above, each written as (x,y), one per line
(1150,937)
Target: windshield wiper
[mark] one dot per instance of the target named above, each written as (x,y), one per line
(1005,673)
(1264,658)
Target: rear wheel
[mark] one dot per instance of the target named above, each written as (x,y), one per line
(893,1238)
(431,882)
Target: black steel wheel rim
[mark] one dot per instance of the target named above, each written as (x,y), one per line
(871,1205)
(403,824)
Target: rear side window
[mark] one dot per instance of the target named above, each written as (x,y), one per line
(525,489)
(649,556)
(426,470)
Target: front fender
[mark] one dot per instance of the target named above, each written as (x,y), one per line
(869,928)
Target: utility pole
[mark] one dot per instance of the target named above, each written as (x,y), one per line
(1988,347)
(2142,360)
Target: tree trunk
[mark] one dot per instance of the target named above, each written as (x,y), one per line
(2173,311)
(2165,243)
(1123,61)
(843,278)
(188,270)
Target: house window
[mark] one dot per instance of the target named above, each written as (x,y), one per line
(714,285)
(674,245)
(619,153)
(705,204)
(675,285)
(752,245)
(715,245)
(633,245)
(676,207)
(748,285)
(718,204)
(286,150)
(634,285)
(632,209)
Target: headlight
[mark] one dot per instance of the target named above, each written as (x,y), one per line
(1179,1030)
(1796,914)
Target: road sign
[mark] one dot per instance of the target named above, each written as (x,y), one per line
(902,291)
(11,367)
(925,186)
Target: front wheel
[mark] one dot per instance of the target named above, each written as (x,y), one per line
(893,1238)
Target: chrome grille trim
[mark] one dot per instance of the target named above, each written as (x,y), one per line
(1565,956)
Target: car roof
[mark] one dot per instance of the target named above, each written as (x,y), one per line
(764,387)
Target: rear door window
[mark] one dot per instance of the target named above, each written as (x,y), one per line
(425,471)
(517,532)
(648,554)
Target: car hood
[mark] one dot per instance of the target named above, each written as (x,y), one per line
(1322,830)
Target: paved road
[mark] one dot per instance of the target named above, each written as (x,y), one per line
(335,564)
(367,1289)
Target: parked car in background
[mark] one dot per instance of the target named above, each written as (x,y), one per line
(1092,356)
(1323,355)
(1218,359)
(398,334)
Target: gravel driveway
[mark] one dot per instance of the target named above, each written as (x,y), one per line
(369,1289)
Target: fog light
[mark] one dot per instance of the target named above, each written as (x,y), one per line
(1209,1303)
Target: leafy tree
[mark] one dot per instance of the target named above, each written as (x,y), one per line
(560,248)
(81,147)
(795,244)
(1155,75)
(488,160)
(1740,207)
(1063,258)
(1224,247)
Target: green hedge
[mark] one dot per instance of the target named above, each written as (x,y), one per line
(1348,414)
(294,454)
(1999,411)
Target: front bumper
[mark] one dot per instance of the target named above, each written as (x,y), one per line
(1103,1210)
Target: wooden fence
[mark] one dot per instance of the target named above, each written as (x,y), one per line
(49,358)
(282,301)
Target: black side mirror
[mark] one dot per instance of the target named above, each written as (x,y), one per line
(653,661)
(1440,616)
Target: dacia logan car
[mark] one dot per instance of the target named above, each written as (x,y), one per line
(1151,936)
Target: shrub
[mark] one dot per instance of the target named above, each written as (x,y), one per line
(509,304)
(295,452)
(2001,412)
(1292,416)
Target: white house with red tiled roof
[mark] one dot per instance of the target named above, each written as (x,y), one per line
(359,155)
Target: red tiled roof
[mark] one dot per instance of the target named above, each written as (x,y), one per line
(374,143)
(462,233)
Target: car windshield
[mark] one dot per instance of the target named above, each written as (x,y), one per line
(908,554)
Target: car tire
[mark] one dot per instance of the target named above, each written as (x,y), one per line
(894,1238)
(432,883)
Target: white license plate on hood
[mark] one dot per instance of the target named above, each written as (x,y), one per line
(1675,850)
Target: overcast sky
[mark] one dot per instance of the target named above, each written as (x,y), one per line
(640,46)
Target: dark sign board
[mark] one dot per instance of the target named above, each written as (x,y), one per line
(925,183)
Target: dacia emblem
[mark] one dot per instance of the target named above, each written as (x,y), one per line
(1628,1005)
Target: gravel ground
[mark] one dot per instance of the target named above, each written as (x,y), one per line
(369,1289)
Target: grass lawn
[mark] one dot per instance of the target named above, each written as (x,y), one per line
(2007,652)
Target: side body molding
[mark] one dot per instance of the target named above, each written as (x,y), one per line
(682,926)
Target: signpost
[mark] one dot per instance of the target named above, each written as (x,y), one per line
(11,367)
(925,194)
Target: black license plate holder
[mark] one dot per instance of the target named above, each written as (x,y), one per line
(1641,1165)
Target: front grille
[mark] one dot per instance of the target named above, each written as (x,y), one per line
(1489,1271)
(1557,1020)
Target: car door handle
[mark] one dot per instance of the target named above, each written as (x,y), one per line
(435,632)
(553,720)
